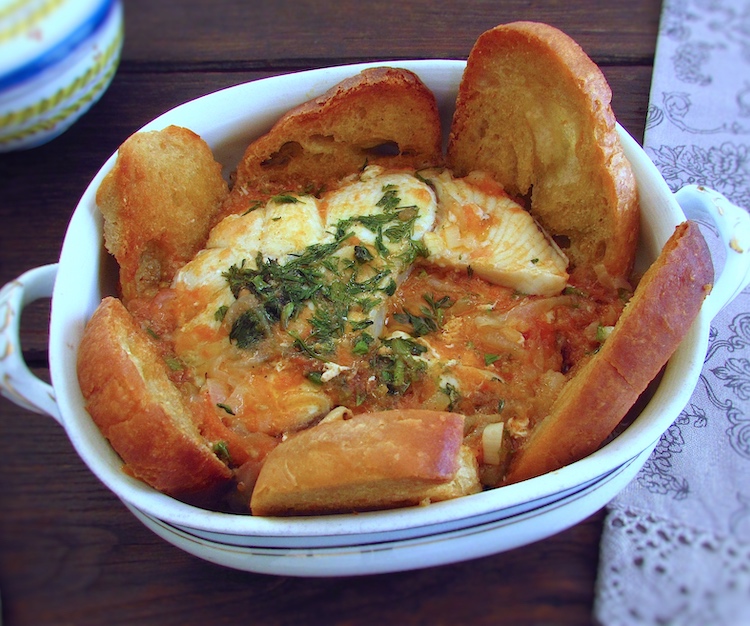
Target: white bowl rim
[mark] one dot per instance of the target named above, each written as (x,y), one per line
(445,545)
(672,394)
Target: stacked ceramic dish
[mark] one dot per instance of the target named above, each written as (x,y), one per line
(57,57)
(383,541)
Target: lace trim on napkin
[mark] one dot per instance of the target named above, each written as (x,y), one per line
(661,572)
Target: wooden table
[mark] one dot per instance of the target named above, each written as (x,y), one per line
(70,553)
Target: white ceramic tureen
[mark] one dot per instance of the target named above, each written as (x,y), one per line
(460,529)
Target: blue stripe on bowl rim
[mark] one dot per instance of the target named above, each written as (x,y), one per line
(269,558)
(300,544)
(59,51)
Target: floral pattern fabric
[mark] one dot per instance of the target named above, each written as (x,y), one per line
(676,542)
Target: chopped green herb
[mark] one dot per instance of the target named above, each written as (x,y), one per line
(249,329)
(303,347)
(362,344)
(286,314)
(431,318)
(367,304)
(221,450)
(360,325)
(489,359)
(405,347)
(394,364)
(315,377)
(404,225)
(285,198)
(390,287)
(221,313)
(174,364)
(453,394)
(420,325)
(574,291)
(424,180)
(416,249)
(225,407)
(362,254)
(380,246)
(602,332)
(390,199)
(253,207)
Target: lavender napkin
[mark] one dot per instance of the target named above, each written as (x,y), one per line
(676,542)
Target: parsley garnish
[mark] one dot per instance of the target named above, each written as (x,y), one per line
(362,254)
(574,291)
(285,198)
(327,281)
(253,207)
(362,344)
(174,364)
(394,364)
(221,450)
(304,347)
(316,378)
(489,359)
(360,325)
(390,199)
(453,394)
(431,318)
(249,329)
(221,313)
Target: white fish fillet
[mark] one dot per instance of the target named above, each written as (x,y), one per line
(480,227)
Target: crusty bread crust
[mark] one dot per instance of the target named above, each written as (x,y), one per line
(382,116)
(533,110)
(140,411)
(371,461)
(664,306)
(158,202)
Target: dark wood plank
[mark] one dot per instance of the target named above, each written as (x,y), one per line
(294,34)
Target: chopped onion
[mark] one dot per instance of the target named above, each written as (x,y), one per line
(492,443)
(340,413)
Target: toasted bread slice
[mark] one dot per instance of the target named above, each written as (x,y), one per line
(660,313)
(371,461)
(533,110)
(158,203)
(382,116)
(140,411)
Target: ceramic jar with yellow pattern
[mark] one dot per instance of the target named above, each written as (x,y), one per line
(57,57)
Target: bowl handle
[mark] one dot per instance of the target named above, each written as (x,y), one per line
(17,383)
(733,226)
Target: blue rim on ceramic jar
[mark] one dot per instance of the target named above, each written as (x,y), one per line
(57,57)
